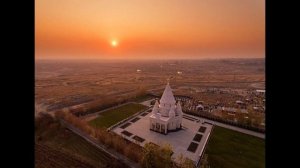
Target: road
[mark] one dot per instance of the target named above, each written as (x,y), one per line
(242,130)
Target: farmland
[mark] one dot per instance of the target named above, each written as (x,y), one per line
(53,141)
(62,83)
(48,157)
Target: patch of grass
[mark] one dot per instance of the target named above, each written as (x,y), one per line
(202,129)
(126,133)
(197,137)
(125,125)
(231,149)
(110,117)
(135,119)
(144,114)
(137,138)
(193,147)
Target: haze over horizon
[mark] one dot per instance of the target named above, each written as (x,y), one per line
(142,29)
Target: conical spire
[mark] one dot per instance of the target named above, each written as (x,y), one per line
(178,108)
(155,108)
(172,112)
(167,97)
(156,105)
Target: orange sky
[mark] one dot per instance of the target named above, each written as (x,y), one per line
(149,28)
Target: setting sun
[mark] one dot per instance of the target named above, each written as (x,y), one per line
(114,43)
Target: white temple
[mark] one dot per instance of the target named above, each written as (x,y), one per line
(166,114)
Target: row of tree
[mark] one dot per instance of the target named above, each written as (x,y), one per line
(246,125)
(107,102)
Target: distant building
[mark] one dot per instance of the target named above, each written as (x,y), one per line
(166,114)
(260,92)
(200,107)
(239,102)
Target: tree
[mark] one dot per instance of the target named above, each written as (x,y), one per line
(166,153)
(150,151)
(180,158)
(188,163)
(185,162)
(204,162)
(156,157)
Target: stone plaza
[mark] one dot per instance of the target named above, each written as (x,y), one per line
(190,141)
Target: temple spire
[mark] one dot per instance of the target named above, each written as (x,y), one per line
(178,108)
(167,97)
(168,81)
(155,108)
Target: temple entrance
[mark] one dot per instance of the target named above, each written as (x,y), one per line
(162,128)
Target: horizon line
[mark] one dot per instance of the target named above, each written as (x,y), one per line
(112,59)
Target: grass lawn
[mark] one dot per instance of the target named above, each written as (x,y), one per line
(110,117)
(231,149)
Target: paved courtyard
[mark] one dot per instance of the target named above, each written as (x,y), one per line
(190,141)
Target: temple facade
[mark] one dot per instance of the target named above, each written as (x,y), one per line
(166,114)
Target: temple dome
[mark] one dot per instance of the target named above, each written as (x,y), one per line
(167,97)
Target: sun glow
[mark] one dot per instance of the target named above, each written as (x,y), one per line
(114,43)
(143,28)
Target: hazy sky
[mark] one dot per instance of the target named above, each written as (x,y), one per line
(149,28)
